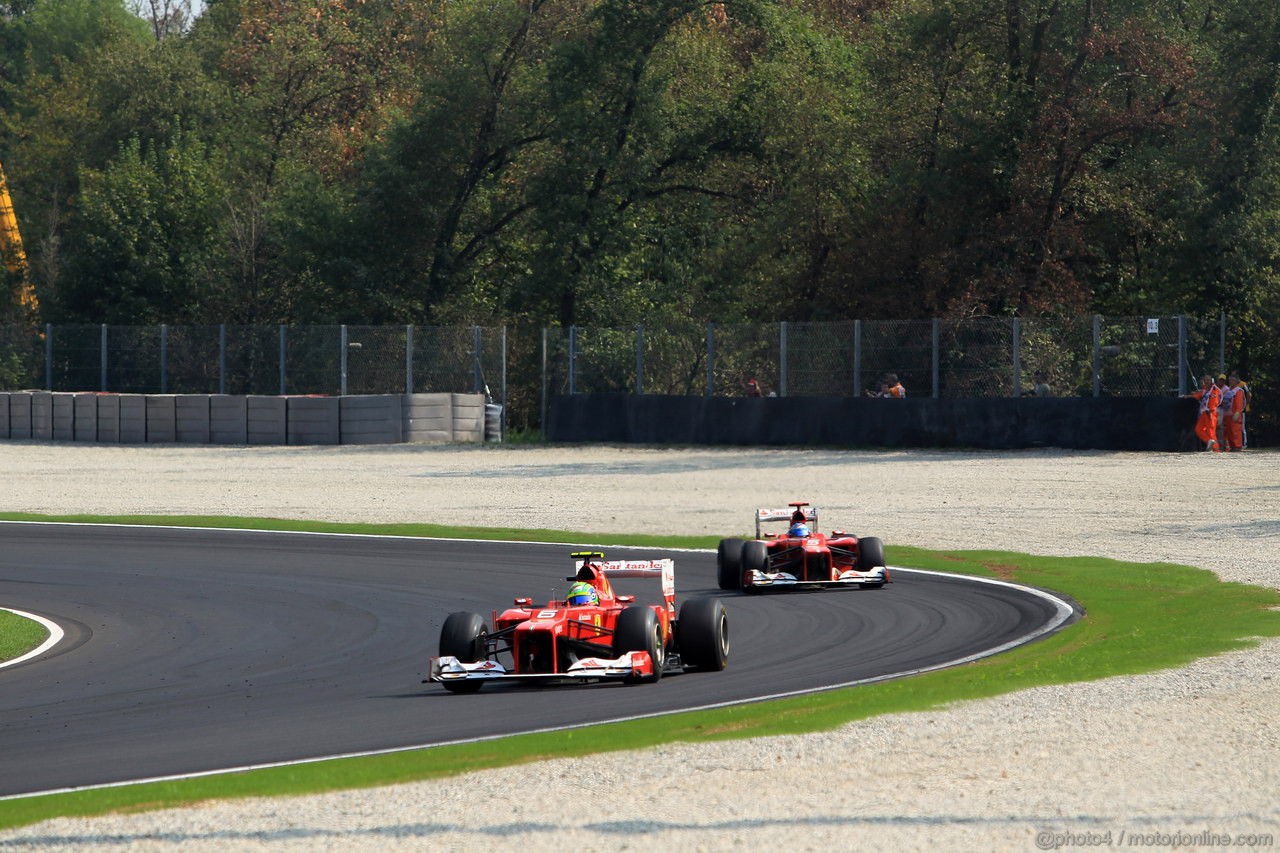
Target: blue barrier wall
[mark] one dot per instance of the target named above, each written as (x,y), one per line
(1085,423)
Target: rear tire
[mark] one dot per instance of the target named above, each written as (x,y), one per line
(703,634)
(729,564)
(638,630)
(755,558)
(463,637)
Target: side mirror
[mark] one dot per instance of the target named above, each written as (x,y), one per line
(626,599)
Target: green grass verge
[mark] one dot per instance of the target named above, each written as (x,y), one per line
(1140,617)
(18,635)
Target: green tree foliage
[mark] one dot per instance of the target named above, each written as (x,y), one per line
(610,162)
(150,233)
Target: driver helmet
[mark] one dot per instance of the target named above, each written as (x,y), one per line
(582,593)
(798,530)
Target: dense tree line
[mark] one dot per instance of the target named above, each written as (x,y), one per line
(602,162)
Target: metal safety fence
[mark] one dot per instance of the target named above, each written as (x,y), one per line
(973,358)
(522,368)
(248,360)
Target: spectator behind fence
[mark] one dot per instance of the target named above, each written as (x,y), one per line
(753,388)
(891,387)
(1041,386)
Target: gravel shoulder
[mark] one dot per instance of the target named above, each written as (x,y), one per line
(1189,754)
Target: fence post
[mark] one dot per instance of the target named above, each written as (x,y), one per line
(164,358)
(857,358)
(1182,356)
(502,421)
(542,423)
(1222,342)
(408,359)
(782,359)
(477,344)
(937,358)
(102,358)
(1097,355)
(573,360)
(1017,357)
(711,360)
(48,356)
(283,347)
(639,358)
(222,358)
(342,361)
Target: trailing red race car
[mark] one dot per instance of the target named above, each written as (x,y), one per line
(801,557)
(592,634)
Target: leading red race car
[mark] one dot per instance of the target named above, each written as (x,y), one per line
(802,557)
(610,638)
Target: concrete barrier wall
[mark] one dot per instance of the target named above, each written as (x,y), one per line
(224,419)
(85,417)
(267,420)
(162,419)
(191,419)
(468,417)
(373,419)
(64,417)
(133,419)
(428,418)
(312,420)
(108,419)
(42,416)
(228,419)
(20,415)
(1104,423)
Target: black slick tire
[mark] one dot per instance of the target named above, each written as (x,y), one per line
(703,634)
(755,558)
(638,630)
(463,637)
(729,564)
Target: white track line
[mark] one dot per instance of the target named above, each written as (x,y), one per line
(1062,612)
(55,636)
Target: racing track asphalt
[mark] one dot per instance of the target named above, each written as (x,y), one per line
(195,650)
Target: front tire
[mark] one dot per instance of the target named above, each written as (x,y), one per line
(870,554)
(755,558)
(729,564)
(703,633)
(638,630)
(464,637)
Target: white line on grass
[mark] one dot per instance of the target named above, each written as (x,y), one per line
(55,637)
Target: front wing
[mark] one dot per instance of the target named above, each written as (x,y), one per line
(630,665)
(850,577)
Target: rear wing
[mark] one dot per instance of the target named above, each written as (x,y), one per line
(766,515)
(664,569)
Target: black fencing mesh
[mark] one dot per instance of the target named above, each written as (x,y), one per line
(22,357)
(744,352)
(903,348)
(244,360)
(972,358)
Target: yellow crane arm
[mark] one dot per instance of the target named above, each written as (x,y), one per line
(15,257)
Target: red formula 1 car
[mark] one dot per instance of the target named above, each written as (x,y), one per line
(801,557)
(610,637)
